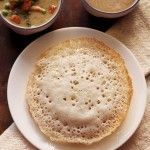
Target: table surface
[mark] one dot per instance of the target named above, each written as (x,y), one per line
(11,45)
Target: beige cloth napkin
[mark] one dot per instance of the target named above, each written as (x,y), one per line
(134,31)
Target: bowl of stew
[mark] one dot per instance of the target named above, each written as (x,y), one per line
(29,16)
(109,8)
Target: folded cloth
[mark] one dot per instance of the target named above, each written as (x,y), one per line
(12,139)
(134,31)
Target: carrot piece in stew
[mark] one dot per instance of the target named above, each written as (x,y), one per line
(26,5)
(52,8)
(16,19)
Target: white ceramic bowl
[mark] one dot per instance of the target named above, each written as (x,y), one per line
(100,13)
(31,30)
(23,67)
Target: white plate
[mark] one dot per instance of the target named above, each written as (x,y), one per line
(23,66)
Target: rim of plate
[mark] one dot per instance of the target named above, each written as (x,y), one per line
(88,32)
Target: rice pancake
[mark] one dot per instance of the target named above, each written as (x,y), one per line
(79,91)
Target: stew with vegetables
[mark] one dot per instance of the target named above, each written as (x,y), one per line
(28,13)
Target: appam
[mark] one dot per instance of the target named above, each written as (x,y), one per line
(23,67)
(79,91)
